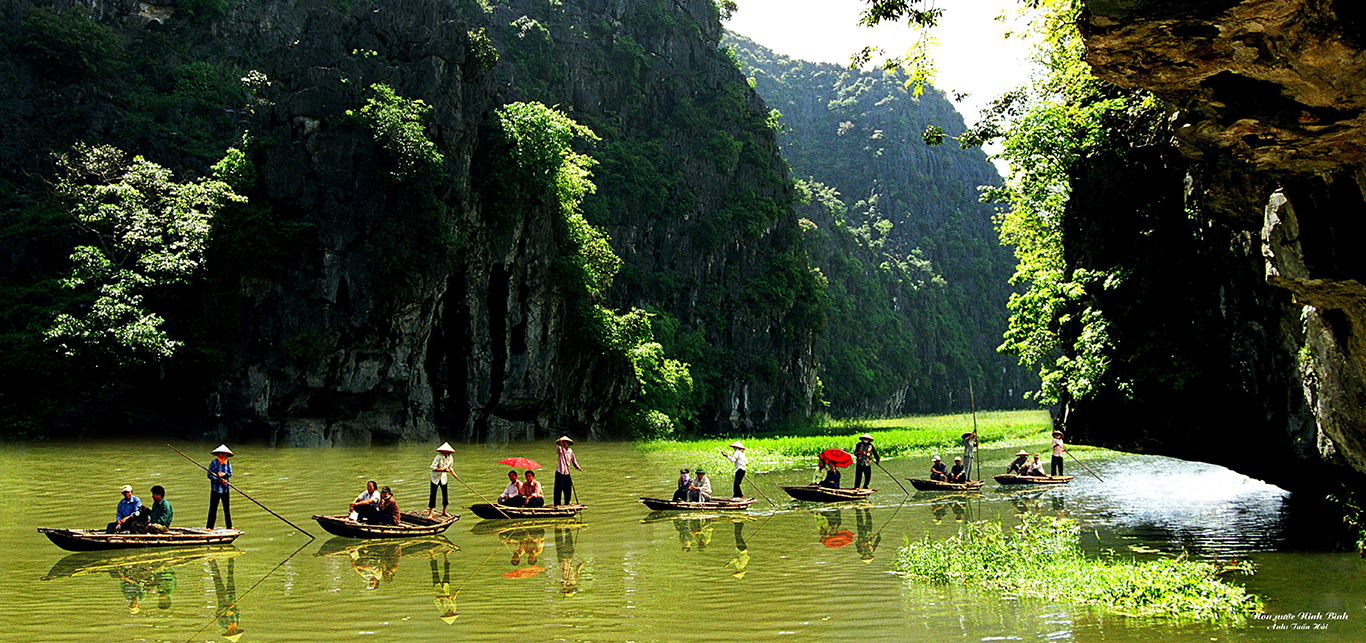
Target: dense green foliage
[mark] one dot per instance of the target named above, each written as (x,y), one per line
(1041,559)
(69,43)
(145,231)
(1046,128)
(916,280)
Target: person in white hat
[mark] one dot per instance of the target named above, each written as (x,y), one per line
(937,469)
(219,472)
(865,454)
(128,507)
(1018,464)
(564,458)
(738,459)
(956,474)
(441,465)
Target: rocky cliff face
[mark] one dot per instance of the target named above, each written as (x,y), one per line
(1259,189)
(377,328)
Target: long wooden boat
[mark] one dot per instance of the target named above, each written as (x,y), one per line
(1012,479)
(410,524)
(497,512)
(715,504)
(922,484)
(817,493)
(96,539)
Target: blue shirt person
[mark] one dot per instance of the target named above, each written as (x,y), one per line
(219,472)
(128,507)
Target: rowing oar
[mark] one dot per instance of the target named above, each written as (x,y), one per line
(889,475)
(244,494)
(244,594)
(481,497)
(1078,461)
(756,486)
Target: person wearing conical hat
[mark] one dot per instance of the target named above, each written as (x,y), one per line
(969,451)
(1021,459)
(1058,450)
(441,465)
(564,458)
(865,454)
(219,472)
(738,459)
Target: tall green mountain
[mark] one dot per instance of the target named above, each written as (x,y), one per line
(918,277)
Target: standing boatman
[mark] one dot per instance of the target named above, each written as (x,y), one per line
(441,465)
(969,448)
(219,472)
(864,455)
(737,458)
(564,458)
(1058,450)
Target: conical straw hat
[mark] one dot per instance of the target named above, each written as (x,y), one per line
(446,447)
(222,448)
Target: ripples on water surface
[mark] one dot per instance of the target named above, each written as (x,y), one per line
(619,573)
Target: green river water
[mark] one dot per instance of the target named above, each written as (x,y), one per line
(790,572)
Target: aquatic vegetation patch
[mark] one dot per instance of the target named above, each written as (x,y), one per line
(899,437)
(1041,559)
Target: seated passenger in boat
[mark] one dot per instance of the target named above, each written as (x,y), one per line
(512,494)
(1021,459)
(700,488)
(126,509)
(1034,468)
(159,518)
(684,484)
(957,475)
(532,494)
(365,506)
(937,470)
(832,475)
(388,508)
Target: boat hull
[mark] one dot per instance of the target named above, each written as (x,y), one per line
(817,493)
(922,484)
(97,540)
(410,525)
(715,504)
(500,512)
(1012,479)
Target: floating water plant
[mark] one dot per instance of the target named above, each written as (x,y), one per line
(1041,559)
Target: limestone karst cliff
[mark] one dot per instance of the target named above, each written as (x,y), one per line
(1239,221)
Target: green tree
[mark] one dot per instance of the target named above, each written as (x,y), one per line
(144,231)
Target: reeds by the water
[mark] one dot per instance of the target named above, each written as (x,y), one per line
(1041,559)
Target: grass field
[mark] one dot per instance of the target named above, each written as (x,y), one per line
(916,436)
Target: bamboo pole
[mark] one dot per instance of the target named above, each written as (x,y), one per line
(889,475)
(244,494)
(481,497)
(756,486)
(1078,461)
(244,594)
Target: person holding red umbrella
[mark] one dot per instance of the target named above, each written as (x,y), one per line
(832,474)
(512,494)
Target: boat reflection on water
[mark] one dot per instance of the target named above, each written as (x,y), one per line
(377,560)
(142,574)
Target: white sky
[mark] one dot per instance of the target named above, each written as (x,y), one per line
(972,55)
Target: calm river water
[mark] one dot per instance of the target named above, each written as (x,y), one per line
(794,572)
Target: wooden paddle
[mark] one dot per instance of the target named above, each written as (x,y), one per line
(244,494)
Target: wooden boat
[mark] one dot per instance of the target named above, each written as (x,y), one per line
(715,504)
(817,493)
(410,524)
(922,484)
(1012,479)
(96,539)
(499,512)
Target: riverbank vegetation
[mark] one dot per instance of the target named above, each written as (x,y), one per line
(894,437)
(1041,559)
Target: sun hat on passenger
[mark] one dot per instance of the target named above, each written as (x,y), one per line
(1021,452)
(865,436)
(935,459)
(128,488)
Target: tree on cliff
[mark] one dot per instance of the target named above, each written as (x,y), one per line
(142,231)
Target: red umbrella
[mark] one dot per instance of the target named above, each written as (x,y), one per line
(520,463)
(837,457)
(838,539)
